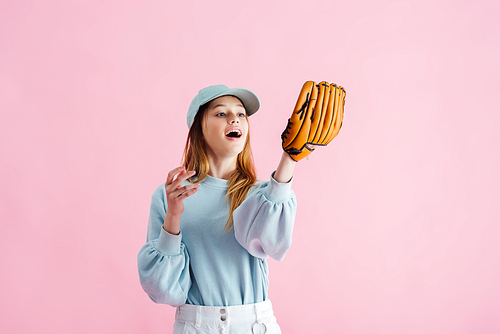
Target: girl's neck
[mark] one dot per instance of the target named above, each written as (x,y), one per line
(221,168)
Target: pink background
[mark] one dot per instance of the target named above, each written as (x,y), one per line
(397,226)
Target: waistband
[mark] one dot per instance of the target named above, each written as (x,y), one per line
(249,312)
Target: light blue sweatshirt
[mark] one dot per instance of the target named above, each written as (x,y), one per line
(205,266)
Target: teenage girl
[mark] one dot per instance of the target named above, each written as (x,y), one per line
(212,224)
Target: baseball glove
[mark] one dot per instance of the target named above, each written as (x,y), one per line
(316,119)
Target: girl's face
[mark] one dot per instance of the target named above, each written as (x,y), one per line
(225,127)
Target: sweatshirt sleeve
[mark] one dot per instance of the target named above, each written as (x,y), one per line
(163,261)
(263,223)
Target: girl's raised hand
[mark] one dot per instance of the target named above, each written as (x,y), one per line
(176,194)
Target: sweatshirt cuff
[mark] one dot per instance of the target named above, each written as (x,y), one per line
(169,244)
(279,192)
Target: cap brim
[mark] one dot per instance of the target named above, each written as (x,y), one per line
(250,101)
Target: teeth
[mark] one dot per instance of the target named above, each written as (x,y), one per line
(236,131)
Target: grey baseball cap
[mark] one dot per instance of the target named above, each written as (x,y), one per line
(250,101)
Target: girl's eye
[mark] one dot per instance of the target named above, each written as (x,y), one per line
(220,114)
(241,115)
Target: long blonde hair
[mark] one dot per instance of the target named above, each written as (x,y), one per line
(240,180)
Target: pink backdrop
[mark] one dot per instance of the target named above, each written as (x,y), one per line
(397,226)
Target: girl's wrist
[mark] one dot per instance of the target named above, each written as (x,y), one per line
(172,223)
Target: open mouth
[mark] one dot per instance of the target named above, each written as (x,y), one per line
(235,133)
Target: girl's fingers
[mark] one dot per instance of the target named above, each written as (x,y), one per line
(177,183)
(189,193)
(172,173)
(174,182)
(180,192)
(184,176)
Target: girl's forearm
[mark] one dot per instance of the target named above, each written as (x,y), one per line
(284,172)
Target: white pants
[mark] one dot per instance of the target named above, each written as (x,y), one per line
(241,319)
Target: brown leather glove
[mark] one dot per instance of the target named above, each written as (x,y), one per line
(316,119)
